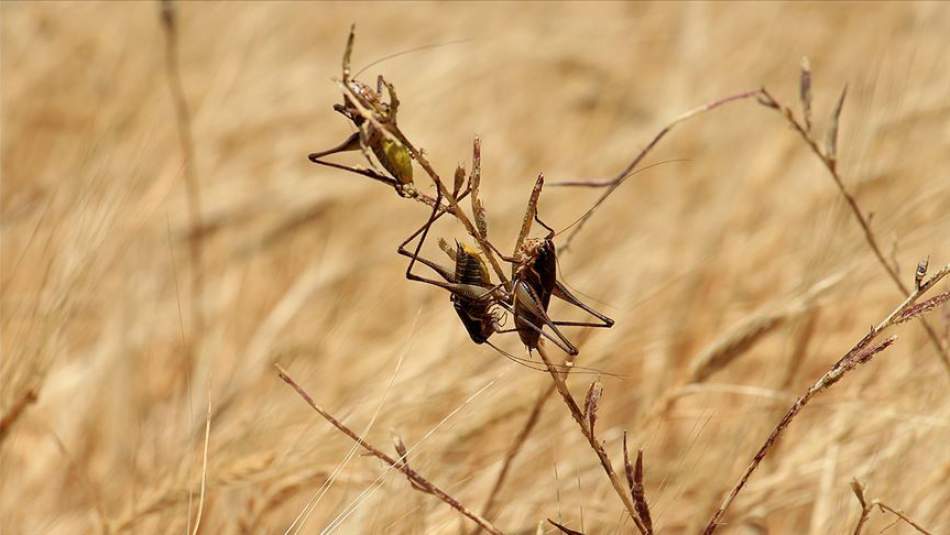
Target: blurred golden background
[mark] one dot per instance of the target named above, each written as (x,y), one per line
(299,265)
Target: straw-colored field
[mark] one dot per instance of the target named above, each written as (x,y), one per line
(742,234)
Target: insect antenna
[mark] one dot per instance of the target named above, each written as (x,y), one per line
(410,51)
(605,183)
(597,204)
(536,366)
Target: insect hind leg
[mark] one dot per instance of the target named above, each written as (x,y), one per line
(559,339)
(561,292)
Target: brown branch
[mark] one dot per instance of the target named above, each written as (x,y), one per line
(828,158)
(861,353)
(884,507)
(866,507)
(615,182)
(187,143)
(578,414)
(415,479)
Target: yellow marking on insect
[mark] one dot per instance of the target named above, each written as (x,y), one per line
(398,161)
(473,252)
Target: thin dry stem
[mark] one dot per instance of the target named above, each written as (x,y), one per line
(615,182)
(858,489)
(415,478)
(902,516)
(831,377)
(187,143)
(204,468)
(578,414)
(861,353)
(739,340)
(866,507)
(829,160)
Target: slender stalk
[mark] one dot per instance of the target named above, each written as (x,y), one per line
(860,353)
(187,144)
(578,414)
(415,478)
(615,182)
(902,516)
(866,507)
(830,163)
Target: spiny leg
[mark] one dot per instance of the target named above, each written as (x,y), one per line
(560,340)
(451,284)
(550,230)
(414,256)
(447,274)
(349,144)
(357,170)
(562,293)
(354,142)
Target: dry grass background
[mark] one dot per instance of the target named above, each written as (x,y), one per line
(300,266)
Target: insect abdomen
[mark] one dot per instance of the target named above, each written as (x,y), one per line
(469,268)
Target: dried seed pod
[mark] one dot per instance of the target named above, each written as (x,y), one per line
(400,447)
(921,272)
(831,142)
(459,180)
(592,402)
(804,92)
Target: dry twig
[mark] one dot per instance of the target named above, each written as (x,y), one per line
(415,479)
(866,507)
(861,353)
(613,183)
(828,157)
(204,467)
(582,421)
(186,140)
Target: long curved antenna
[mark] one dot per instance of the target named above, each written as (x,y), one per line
(530,364)
(606,183)
(410,51)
